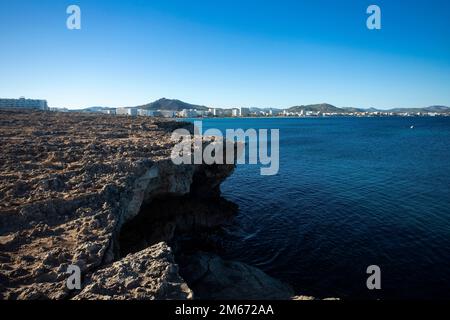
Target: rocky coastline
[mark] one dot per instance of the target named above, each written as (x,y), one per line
(100,192)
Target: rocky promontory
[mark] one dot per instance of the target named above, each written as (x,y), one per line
(100,192)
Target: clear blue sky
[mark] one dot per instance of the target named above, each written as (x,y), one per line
(227,53)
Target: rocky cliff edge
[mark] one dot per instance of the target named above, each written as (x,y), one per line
(71,183)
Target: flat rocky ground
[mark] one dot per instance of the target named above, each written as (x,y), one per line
(60,155)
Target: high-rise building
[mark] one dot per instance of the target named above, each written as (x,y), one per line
(146,113)
(244,112)
(167,113)
(213,112)
(23,103)
(127,111)
(189,113)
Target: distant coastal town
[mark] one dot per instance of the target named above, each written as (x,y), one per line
(172,108)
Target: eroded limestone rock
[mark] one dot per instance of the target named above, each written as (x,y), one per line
(146,275)
(211,277)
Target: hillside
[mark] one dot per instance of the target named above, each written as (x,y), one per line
(438,109)
(325,107)
(350,109)
(171,104)
(322,107)
(92,109)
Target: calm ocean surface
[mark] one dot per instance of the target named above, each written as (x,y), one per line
(350,192)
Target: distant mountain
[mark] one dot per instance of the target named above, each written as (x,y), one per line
(328,108)
(350,109)
(322,107)
(438,109)
(274,110)
(371,110)
(171,104)
(92,109)
(410,110)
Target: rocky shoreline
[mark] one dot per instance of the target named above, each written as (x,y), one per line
(101,192)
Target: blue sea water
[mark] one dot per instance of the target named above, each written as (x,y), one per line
(350,192)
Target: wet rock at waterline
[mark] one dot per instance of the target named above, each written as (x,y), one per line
(211,277)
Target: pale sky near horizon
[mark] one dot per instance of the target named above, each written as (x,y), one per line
(227,53)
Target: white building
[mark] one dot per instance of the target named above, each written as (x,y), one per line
(167,113)
(188,113)
(146,113)
(58,109)
(127,111)
(244,112)
(24,103)
(202,113)
(108,111)
(235,112)
(213,111)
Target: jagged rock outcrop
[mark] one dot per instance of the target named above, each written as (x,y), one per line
(211,277)
(146,275)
